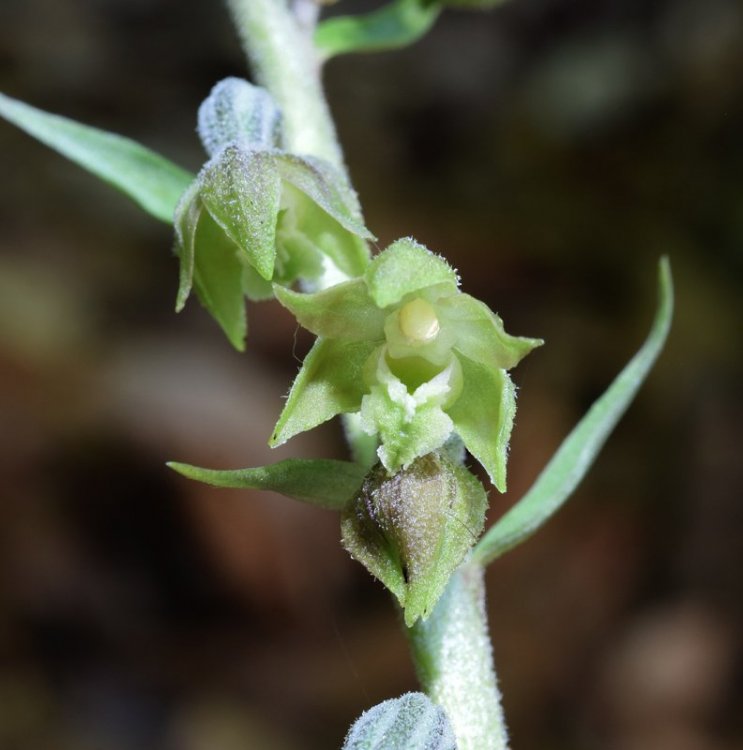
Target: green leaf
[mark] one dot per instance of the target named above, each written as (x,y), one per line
(322,482)
(480,333)
(241,189)
(397,24)
(483,416)
(330,382)
(342,311)
(238,112)
(149,179)
(327,187)
(576,454)
(217,276)
(406,267)
(411,722)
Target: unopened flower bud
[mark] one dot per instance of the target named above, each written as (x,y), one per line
(412,529)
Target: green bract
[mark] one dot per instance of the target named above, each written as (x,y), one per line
(257,214)
(415,356)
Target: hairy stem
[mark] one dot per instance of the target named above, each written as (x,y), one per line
(283,59)
(454,660)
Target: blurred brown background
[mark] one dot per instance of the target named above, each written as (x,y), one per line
(552,149)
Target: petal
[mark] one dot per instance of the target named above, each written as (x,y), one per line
(343,311)
(404,268)
(242,190)
(480,334)
(330,382)
(483,416)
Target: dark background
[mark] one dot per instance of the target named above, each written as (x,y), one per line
(552,150)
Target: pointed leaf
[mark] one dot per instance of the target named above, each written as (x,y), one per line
(411,722)
(483,416)
(480,333)
(397,24)
(149,179)
(241,189)
(576,454)
(405,267)
(325,483)
(323,184)
(330,382)
(238,112)
(343,311)
(217,278)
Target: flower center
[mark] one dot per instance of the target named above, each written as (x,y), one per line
(418,321)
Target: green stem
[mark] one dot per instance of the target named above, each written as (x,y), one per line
(284,60)
(454,660)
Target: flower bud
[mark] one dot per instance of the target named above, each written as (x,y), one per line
(412,529)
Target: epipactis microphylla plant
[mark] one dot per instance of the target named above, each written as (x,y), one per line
(418,368)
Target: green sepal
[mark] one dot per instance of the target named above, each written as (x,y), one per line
(395,25)
(150,180)
(323,482)
(412,721)
(186,220)
(330,382)
(483,416)
(412,529)
(406,267)
(238,112)
(342,311)
(578,451)
(217,279)
(241,189)
(481,335)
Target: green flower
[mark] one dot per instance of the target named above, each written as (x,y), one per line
(257,215)
(417,358)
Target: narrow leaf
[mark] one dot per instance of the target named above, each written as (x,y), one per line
(412,722)
(149,179)
(397,24)
(576,454)
(322,482)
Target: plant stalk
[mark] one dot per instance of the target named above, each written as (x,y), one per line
(283,59)
(454,660)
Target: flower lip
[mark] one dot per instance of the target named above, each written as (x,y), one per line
(418,322)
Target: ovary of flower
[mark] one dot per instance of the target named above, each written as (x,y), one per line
(418,322)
